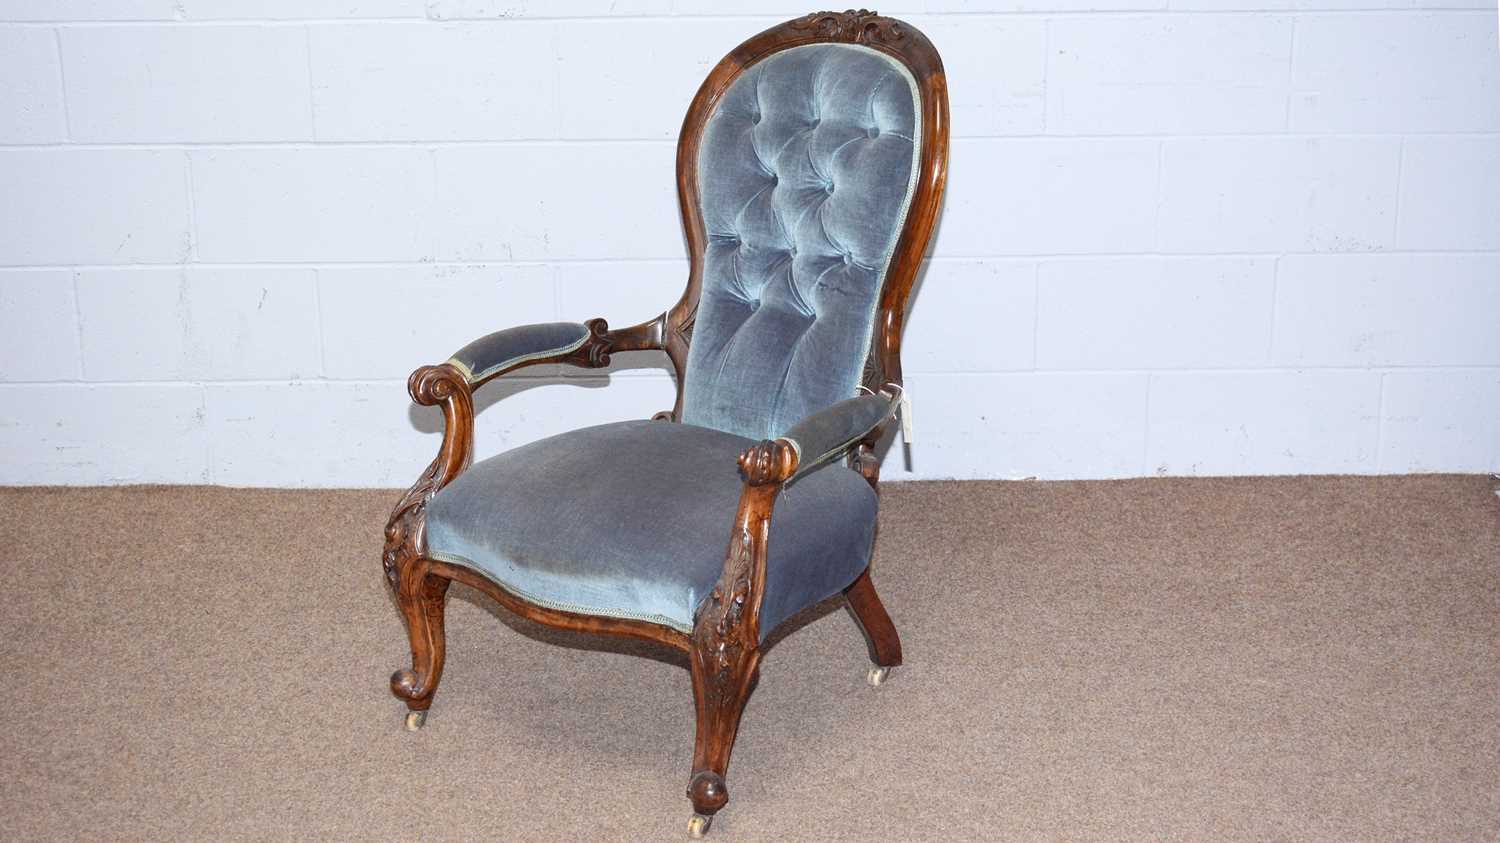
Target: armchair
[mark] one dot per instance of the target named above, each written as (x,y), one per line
(810,169)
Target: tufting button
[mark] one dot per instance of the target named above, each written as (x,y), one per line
(755,119)
(848,259)
(828,188)
(872,132)
(816,121)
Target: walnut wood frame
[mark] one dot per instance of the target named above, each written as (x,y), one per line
(724,649)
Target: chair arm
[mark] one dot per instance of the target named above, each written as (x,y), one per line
(733,612)
(725,653)
(453,383)
(587,344)
(830,432)
(503,351)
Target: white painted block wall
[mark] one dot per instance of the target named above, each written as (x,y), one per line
(1182,236)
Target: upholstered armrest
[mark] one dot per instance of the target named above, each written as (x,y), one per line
(828,433)
(512,348)
(452,383)
(586,344)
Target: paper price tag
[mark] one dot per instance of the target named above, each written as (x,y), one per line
(906,416)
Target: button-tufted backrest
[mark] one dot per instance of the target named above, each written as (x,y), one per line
(805,170)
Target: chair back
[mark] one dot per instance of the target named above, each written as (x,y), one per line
(809,170)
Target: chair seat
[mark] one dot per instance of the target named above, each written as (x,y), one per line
(632,520)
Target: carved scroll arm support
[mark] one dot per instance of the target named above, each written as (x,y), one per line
(734,604)
(725,652)
(442,384)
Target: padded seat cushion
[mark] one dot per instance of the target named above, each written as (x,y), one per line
(633,520)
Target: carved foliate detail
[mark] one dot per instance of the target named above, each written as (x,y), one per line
(403,532)
(726,655)
(722,636)
(857,26)
(726,632)
(873,377)
(428,386)
(685,330)
(595,352)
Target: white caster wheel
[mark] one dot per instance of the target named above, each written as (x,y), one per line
(877,676)
(415,720)
(698,826)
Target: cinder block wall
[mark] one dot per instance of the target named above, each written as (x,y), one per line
(1197,237)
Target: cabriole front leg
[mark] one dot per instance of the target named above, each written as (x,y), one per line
(724,666)
(421,594)
(422,597)
(726,653)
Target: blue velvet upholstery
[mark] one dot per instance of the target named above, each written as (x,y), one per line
(633,519)
(805,173)
(503,349)
(827,433)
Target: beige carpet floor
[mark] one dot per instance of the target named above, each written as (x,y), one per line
(1247,659)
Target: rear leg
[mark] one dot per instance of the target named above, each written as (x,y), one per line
(885,644)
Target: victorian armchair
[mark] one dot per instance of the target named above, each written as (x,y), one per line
(810,169)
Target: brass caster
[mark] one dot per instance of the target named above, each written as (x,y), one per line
(415,720)
(698,826)
(877,676)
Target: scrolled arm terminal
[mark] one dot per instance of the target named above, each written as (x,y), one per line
(769,462)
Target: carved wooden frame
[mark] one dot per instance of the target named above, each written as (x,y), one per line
(724,648)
